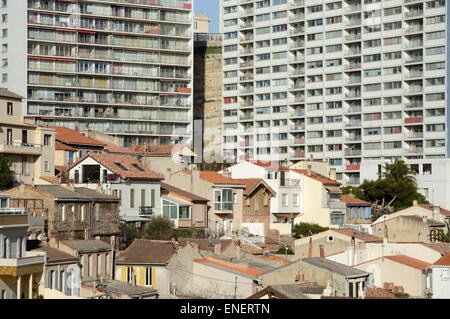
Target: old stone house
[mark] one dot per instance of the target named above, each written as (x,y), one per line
(69,213)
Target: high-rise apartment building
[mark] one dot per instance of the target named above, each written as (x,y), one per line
(121,67)
(342,81)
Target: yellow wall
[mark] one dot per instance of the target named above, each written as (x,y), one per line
(139,272)
(313,212)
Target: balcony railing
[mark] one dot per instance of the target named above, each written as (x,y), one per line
(20,148)
(349,152)
(353,167)
(413,120)
(145,210)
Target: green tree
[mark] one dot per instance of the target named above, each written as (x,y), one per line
(131,232)
(396,186)
(159,228)
(213,167)
(301,230)
(6,174)
(358,192)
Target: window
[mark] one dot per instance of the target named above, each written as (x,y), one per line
(97,211)
(63,213)
(131,198)
(169,209)
(46,166)
(148,276)
(47,140)
(223,199)
(337,218)
(82,213)
(9,108)
(130,275)
(284,199)
(184,212)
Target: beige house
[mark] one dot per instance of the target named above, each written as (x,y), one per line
(332,241)
(225,196)
(30,148)
(201,23)
(410,275)
(409,228)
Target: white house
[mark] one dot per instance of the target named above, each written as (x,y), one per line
(287,205)
(122,176)
(441,278)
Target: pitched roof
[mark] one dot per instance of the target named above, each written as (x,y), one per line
(50,179)
(430,222)
(88,245)
(409,261)
(324,180)
(251,184)
(216,178)
(353,201)
(183,193)
(78,193)
(69,136)
(241,268)
(335,267)
(55,255)
(147,252)
(204,244)
(110,161)
(444,261)
(368,238)
(63,147)
(269,165)
(441,247)
(114,148)
(6,93)
(430,207)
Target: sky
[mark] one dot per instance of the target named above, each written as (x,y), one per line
(211,9)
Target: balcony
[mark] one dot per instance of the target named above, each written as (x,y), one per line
(13,265)
(350,152)
(298,72)
(337,205)
(296,114)
(353,138)
(353,123)
(296,31)
(412,135)
(414,150)
(414,104)
(21,148)
(296,4)
(289,182)
(352,66)
(297,127)
(353,167)
(145,211)
(413,120)
(355,109)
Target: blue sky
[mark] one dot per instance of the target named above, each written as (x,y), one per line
(211,9)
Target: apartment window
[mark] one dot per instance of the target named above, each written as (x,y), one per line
(46,166)
(4,18)
(47,140)
(435,50)
(25,166)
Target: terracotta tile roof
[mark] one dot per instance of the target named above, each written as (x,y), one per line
(353,201)
(63,147)
(324,180)
(441,247)
(430,207)
(114,148)
(50,179)
(444,261)
(183,193)
(69,136)
(87,245)
(242,268)
(270,165)
(152,149)
(147,252)
(184,171)
(273,257)
(110,160)
(409,261)
(61,168)
(216,178)
(359,235)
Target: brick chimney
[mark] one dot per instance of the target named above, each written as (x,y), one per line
(425,219)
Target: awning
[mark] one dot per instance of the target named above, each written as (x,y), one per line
(134,219)
(333,189)
(286,215)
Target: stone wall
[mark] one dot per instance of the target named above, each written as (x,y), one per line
(208,97)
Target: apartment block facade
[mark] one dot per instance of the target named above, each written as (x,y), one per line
(119,67)
(342,81)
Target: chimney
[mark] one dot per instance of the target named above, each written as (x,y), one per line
(333,173)
(322,252)
(436,213)
(226,173)
(425,219)
(309,170)
(311,157)
(414,202)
